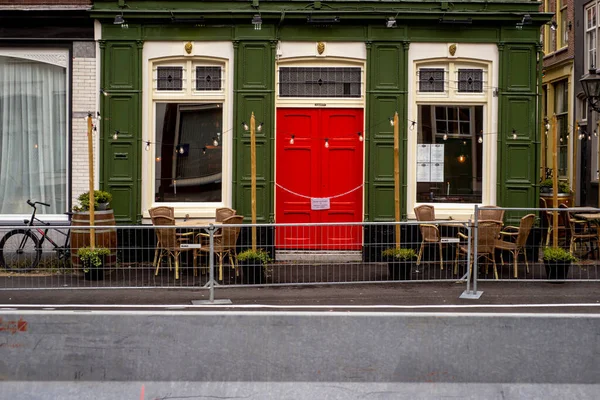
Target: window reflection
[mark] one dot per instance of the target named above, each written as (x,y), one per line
(450,164)
(188,152)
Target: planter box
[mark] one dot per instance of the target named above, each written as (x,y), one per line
(400,270)
(253,272)
(557,270)
(91,272)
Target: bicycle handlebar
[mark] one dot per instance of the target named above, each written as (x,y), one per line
(37,202)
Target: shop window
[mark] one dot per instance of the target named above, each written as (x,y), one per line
(449,154)
(335,82)
(33,131)
(189,153)
(169,78)
(431,80)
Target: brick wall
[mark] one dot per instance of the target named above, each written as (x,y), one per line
(84,98)
(562,54)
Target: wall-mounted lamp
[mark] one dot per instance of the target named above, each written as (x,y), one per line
(390,23)
(119,20)
(553,25)
(525,21)
(257,22)
(570,25)
(590,83)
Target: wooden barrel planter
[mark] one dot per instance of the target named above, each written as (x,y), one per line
(563,198)
(106,235)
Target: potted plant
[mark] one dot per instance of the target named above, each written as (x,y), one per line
(252,263)
(557,262)
(92,262)
(400,262)
(102,201)
(547,184)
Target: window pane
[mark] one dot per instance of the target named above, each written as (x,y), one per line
(564,36)
(337,82)
(470,80)
(563,144)
(33,136)
(169,78)
(431,79)
(449,166)
(188,152)
(208,78)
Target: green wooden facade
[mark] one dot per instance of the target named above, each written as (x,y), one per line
(254,86)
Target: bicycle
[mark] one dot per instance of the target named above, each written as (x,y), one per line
(21,249)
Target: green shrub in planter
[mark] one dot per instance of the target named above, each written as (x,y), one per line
(102,201)
(557,262)
(546,186)
(399,262)
(252,264)
(92,261)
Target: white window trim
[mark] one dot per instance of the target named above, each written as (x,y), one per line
(173,53)
(58,57)
(483,56)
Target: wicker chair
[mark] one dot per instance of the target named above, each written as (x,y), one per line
(513,240)
(222,213)
(490,213)
(161,211)
(430,233)
(580,231)
(487,235)
(168,242)
(224,242)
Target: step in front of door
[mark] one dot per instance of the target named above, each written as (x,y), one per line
(318,256)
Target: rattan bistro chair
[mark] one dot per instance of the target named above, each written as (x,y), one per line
(491,213)
(487,235)
(222,213)
(168,242)
(430,233)
(513,240)
(580,231)
(224,242)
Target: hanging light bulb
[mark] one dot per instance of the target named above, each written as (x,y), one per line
(204,150)
(561,140)
(360,137)
(215,142)
(445,137)
(391,122)
(589,137)
(580,136)
(595,133)
(547,124)
(259,127)
(464,142)
(35,146)
(292,140)
(326,143)
(412,125)
(480,140)
(116,135)
(245,126)
(181,150)
(147,146)
(514,134)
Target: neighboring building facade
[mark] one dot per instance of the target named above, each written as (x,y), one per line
(323,79)
(558,81)
(586,58)
(48,84)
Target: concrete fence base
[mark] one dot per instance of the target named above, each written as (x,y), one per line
(262,355)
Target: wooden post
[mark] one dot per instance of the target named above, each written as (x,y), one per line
(397,178)
(253,175)
(598,160)
(574,178)
(554,183)
(91,169)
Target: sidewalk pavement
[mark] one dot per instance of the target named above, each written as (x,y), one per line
(506,297)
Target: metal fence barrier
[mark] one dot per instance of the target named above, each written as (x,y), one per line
(205,256)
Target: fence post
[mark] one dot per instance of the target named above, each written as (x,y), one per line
(474,294)
(211,263)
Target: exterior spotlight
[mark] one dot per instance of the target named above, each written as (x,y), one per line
(390,23)
(257,22)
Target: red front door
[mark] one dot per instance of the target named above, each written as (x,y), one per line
(325,161)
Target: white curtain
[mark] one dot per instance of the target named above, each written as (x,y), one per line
(33,136)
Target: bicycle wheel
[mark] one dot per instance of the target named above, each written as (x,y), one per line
(20,250)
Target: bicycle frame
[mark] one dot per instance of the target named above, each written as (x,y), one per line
(44,232)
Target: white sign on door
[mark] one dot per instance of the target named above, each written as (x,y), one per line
(317,203)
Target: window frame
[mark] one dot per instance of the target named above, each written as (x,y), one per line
(591,30)
(472,56)
(167,53)
(58,56)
